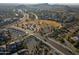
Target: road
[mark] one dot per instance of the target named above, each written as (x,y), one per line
(36,17)
(54,45)
(50,43)
(26,16)
(47,41)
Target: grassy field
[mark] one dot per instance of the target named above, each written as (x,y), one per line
(45,23)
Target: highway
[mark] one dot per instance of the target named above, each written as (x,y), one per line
(54,45)
(26,16)
(36,17)
(50,42)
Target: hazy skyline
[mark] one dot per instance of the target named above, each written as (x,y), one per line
(39,1)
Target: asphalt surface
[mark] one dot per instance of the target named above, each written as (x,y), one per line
(57,46)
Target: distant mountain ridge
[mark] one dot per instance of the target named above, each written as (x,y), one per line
(46,6)
(42,6)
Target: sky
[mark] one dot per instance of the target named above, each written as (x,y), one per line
(39,1)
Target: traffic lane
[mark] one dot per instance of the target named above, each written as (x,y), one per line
(60,48)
